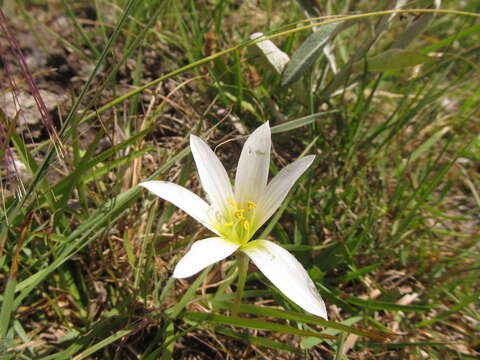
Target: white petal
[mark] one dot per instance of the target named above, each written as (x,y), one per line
(203,253)
(279,187)
(252,171)
(212,174)
(186,200)
(287,274)
(276,57)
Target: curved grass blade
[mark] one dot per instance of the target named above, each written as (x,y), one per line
(250,339)
(466,301)
(297,123)
(252,324)
(187,297)
(384,305)
(296,316)
(105,342)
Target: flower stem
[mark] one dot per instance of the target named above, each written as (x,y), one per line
(242,263)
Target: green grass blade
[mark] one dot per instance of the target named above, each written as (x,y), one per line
(301,317)
(262,341)
(252,324)
(7,306)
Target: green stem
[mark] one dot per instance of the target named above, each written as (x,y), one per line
(242,263)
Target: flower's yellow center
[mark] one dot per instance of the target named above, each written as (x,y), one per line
(237,223)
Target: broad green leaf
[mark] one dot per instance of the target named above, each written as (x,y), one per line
(277,60)
(395,59)
(304,57)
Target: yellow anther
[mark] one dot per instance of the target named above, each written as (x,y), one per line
(240,217)
(251,205)
(233,203)
(235,222)
(238,214)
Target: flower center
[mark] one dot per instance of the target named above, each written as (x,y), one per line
(236,224)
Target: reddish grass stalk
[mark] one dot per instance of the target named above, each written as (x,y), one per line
(20,59)
(7,159)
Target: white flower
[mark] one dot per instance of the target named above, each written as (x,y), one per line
(234,215)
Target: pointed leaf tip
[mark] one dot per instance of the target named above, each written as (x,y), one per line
(304,57)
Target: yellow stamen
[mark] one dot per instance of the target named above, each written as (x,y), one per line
(239,213)
(239,217)
(236,223)
(233,203)
(251,205)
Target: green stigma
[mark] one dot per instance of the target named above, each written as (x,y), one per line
(236,224)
